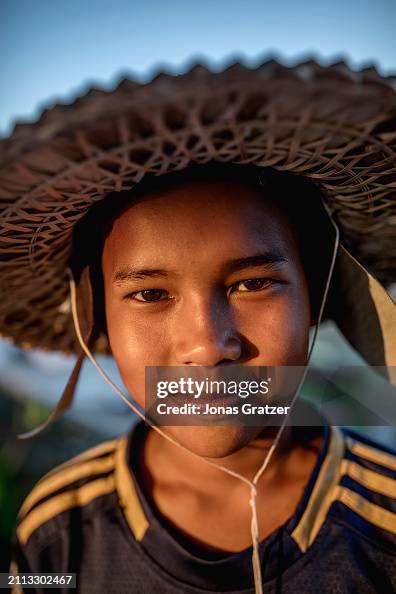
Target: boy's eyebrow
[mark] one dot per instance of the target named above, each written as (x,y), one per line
(128,273)
(270,258)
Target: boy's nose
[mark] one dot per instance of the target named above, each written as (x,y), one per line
(207,336)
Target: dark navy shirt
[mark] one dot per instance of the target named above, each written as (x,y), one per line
(89,516)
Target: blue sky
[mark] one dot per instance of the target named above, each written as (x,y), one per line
(54,49)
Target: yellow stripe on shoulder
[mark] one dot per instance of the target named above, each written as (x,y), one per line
(65,476)
(371,512)
(371,454)
(60,503)
(375,481)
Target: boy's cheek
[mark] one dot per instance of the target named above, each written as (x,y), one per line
(131,366)
(132,352)
(279,337)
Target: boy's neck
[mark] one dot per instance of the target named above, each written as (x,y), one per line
(201,502)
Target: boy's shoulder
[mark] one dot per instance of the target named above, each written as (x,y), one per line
(86,478)
(355,490)
(366,489)
(370,463)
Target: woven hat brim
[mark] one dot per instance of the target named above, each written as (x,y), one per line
(332,125)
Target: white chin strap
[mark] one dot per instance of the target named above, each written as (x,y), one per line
(251,484)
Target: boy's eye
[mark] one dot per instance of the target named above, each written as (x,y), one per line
(148,295)
(252,284)
(151,295)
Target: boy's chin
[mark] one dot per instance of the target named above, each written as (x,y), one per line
(213,441)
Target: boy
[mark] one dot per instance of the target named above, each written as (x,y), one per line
(212,267)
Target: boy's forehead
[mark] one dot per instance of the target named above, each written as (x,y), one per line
(199,216)
(196,198)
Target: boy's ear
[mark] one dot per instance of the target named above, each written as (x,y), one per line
(85,304)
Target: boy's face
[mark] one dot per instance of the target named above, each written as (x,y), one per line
(207,273)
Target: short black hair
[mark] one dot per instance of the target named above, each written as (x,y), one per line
(298,198)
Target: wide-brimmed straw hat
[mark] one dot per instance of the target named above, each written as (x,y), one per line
(330,124)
